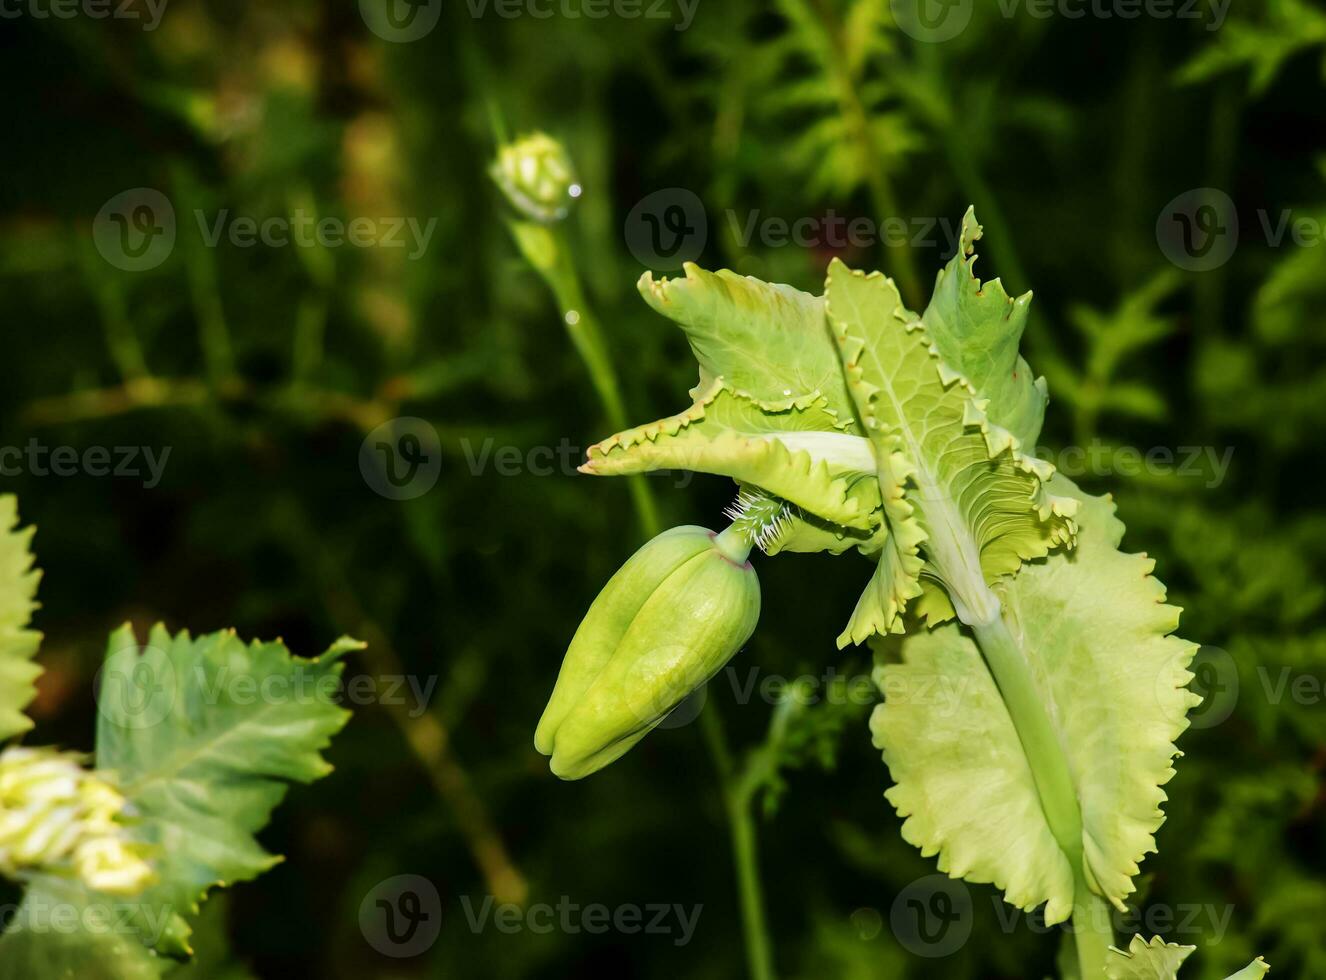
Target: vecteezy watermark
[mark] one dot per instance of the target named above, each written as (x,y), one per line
(137,230)
(932,916)
(931,21)
(562,459)
(144,462)
(682,11)
(401,458)
(400,21)
(136,689)
(836,231)
(140,921)
(1184,921)
(936,21)
(1199,229)
(147,11)
(652,918)
(667,229)
(1120,10)
(1215,679)
(402,916)
(1209,464)
(304,230)
(827,687)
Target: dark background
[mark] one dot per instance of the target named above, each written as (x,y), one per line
(1070,136)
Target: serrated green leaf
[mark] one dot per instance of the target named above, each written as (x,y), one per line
(1159,960)
(1094,628)
(1154,960)
(18,644)
(980,506)
(977,328)
(206,777)
(962,783)
(767,341)
(202,736)
(791,452)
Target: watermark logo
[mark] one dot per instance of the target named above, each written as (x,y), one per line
(1198,230)
(400,21)
(402,916)
(652,918)
(136,687)
(932,916)
(149,11)
(402,458)
(135,230)
(1121,10)
(35,459)
(667,229)
(589,9)
(1216,681)
(931,21)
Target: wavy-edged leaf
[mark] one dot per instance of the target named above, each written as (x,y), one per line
(981,506)
(1154,960)
(206,777)
(202,737)
(1095,630)
(766,341)
(962,783)
(18,644)
(792,452)
(976,328)
(1159,960)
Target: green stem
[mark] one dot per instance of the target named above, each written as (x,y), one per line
(550,253)
(745,848)
(555,263)
(1092,930)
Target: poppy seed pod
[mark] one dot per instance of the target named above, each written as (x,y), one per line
(667,621)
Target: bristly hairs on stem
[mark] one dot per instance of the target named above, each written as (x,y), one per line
(760,517)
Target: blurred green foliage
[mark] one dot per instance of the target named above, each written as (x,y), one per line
(263,368)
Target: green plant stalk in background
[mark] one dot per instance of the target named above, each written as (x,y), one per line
(547,249)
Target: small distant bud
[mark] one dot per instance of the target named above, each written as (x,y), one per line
(536,175)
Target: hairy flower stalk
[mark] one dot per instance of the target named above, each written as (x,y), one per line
(57,817)
(668,620)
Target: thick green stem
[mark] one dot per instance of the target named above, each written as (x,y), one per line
(1092,930)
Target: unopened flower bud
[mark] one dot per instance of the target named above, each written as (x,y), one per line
(667,621)
(57,817)
(536,176)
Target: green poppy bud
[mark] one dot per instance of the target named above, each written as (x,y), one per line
(672,616)
(536,176)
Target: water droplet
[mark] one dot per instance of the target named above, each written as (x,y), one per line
(572,317)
